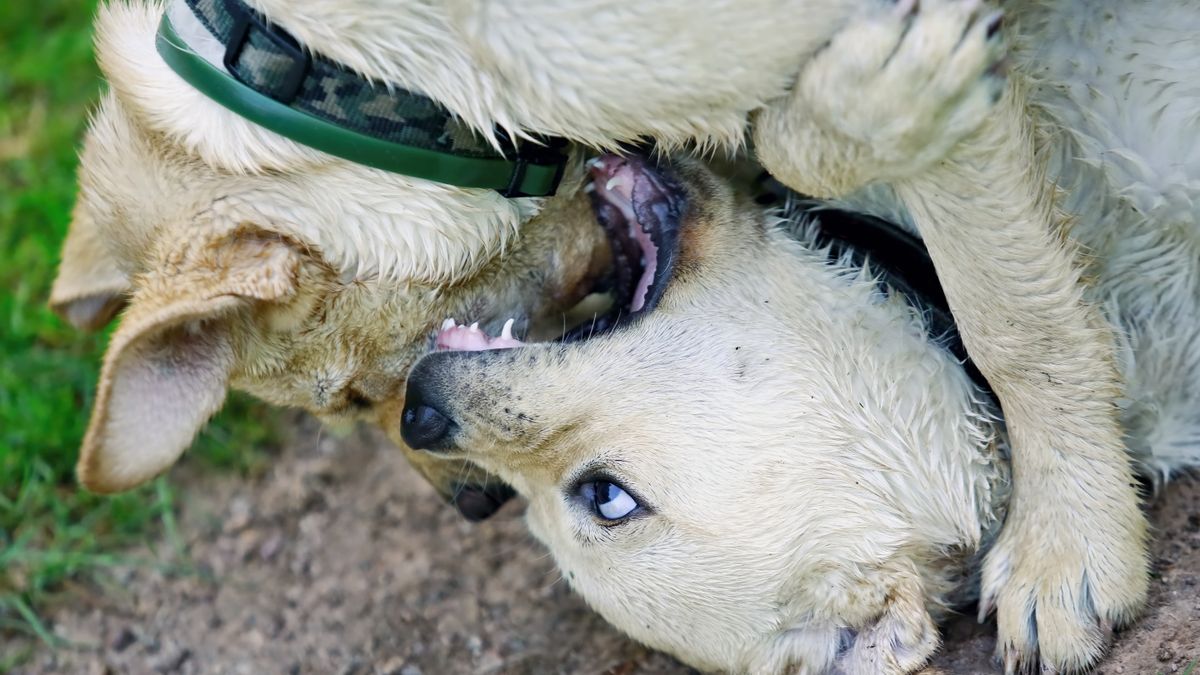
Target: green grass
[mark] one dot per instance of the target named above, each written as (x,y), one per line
(1191,667)
(49,529)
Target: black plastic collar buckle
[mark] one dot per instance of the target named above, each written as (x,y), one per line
(288,85)
(551,151)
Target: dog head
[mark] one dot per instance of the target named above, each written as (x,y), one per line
(245,260)
(761,461)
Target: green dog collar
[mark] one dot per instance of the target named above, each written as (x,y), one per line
(271,81)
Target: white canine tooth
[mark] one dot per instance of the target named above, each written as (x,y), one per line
(594,162)
(614,182)
(475,326)
(448,324)
(507,332)
(589,188)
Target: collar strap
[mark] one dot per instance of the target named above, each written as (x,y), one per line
(904,266)
(270,79)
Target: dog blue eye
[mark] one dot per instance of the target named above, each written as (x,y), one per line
(607,499)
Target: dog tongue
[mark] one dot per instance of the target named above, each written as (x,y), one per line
(455,338)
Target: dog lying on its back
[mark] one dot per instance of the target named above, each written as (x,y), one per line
(775,460)
(780,468)
(362,265)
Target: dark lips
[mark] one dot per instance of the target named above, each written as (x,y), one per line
(658,202)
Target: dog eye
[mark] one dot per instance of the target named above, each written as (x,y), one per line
(607,500)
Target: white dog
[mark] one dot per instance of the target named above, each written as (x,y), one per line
(781,468)
(173,181)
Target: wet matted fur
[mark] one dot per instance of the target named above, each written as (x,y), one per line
(172,183)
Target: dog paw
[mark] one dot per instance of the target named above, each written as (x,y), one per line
(1058,591)
(900,640)
(891,647)
(908,82)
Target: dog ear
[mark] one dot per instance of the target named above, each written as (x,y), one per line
(90,288)
(168,365)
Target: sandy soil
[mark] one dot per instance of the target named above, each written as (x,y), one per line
(341,560)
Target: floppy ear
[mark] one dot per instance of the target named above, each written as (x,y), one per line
(90,288)
(167,368)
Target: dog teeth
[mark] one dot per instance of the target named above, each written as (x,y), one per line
(506,333)
(449,323)
(589,188)
(594,162)
(475,327)
(615,181)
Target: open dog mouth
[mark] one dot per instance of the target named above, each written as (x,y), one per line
(640,206)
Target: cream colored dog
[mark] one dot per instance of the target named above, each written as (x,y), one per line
(251,261)
(779,469)
(313,287)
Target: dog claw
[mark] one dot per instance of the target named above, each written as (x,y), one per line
(995,22)
(1106,630)
(986,605)
(1010,661)
(905,8)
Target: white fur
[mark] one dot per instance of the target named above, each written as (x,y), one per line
(823,493)
(811,465)
(1132,181)
(403,228)
(163,156)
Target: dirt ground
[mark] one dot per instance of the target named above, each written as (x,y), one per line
(341,560)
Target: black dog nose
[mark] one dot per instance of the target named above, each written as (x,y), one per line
(423,427)
(427,422)
(476,503)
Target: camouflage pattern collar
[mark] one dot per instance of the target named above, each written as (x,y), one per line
(263,74)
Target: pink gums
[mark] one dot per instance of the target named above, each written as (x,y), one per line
(614,180)
(455,338)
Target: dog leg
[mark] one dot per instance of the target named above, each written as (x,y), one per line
(1070,562)
(901,640)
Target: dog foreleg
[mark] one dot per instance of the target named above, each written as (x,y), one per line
(888,94)
(1070,562)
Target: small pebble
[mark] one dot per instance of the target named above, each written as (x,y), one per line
(123,639)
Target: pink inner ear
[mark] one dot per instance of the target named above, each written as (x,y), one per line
(163,389)
(91,312)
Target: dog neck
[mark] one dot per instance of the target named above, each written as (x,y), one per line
(902,265)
